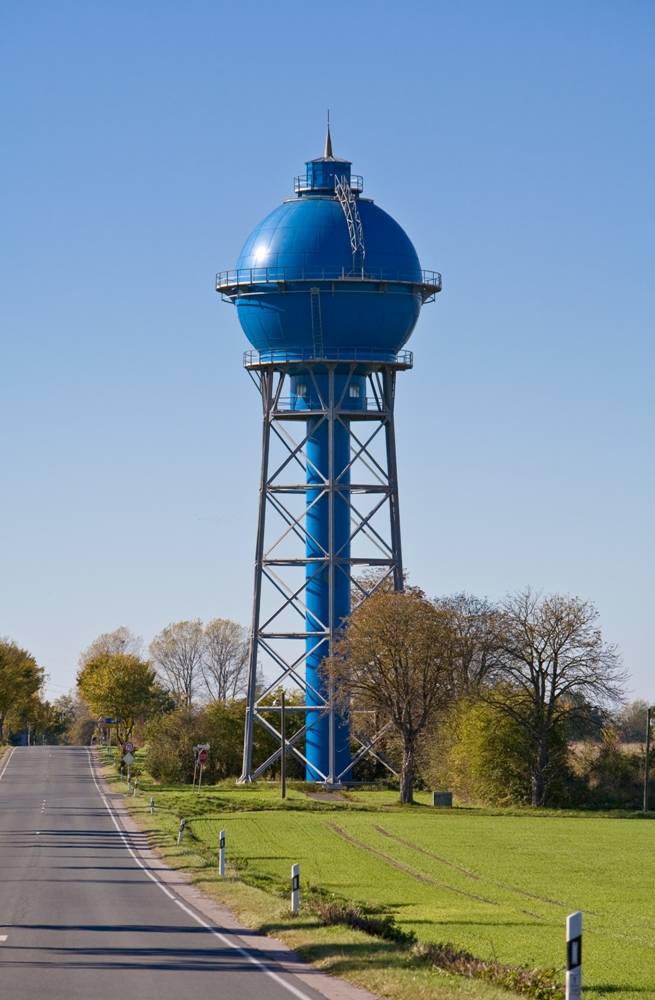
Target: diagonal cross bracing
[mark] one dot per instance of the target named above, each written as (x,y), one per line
(290,562)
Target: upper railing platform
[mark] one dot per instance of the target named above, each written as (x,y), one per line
(304,183)
(354,355)
(236,282)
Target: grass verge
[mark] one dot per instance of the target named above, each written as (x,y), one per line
(359,940)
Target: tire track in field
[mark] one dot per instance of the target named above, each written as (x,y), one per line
(404,868)
(499,885)
(429,854)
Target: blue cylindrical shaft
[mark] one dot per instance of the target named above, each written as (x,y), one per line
(322,613)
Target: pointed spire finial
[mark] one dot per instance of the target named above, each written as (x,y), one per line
(328,139)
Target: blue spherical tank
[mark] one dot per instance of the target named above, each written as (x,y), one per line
(328,273)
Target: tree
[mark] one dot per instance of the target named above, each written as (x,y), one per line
(20,680)
(43,718)
(120,686)
(79,723)
(480,754)
(631,721)
(472,621)
(177,653)
(548,660)
(397,658)
(225,659)
(121,640)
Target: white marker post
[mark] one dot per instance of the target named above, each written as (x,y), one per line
(136,787)
(181,833)
(152,805)
(295,888)
(221,861)
(574,956)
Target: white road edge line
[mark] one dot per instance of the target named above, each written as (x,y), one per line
(242,951)
(7,764)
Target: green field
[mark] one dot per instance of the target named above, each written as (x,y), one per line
(495,884)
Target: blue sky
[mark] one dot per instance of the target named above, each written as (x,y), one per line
(142,143)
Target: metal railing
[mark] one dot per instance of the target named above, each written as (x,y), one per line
(301,183)
(363,354)
(232,281)
(307,405)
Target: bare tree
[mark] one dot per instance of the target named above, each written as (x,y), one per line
(121,640)
(397,658)
(472,620)
(225,659)
(177,654)
(548,660)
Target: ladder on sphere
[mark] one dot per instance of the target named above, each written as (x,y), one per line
(317,324)
(348,203)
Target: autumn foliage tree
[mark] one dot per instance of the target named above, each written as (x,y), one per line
(397,658)
(121,640)
(121,686)
(20,680)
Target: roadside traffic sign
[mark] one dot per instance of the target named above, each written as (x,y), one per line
(202,756)
(129,747)
(128,759)
(102,721)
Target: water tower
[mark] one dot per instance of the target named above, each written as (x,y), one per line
(328,289)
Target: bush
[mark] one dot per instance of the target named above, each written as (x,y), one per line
(540,984)
(478,752)
(610,774)
(171,739)
(353,916)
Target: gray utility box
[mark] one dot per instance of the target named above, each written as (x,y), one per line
(442,799)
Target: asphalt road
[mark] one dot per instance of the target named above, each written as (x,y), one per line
(80,919)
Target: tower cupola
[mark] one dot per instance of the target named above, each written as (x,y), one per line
(324,172)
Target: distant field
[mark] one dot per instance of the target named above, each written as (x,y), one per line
(495,884)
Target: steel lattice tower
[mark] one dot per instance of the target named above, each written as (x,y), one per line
(328,289)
